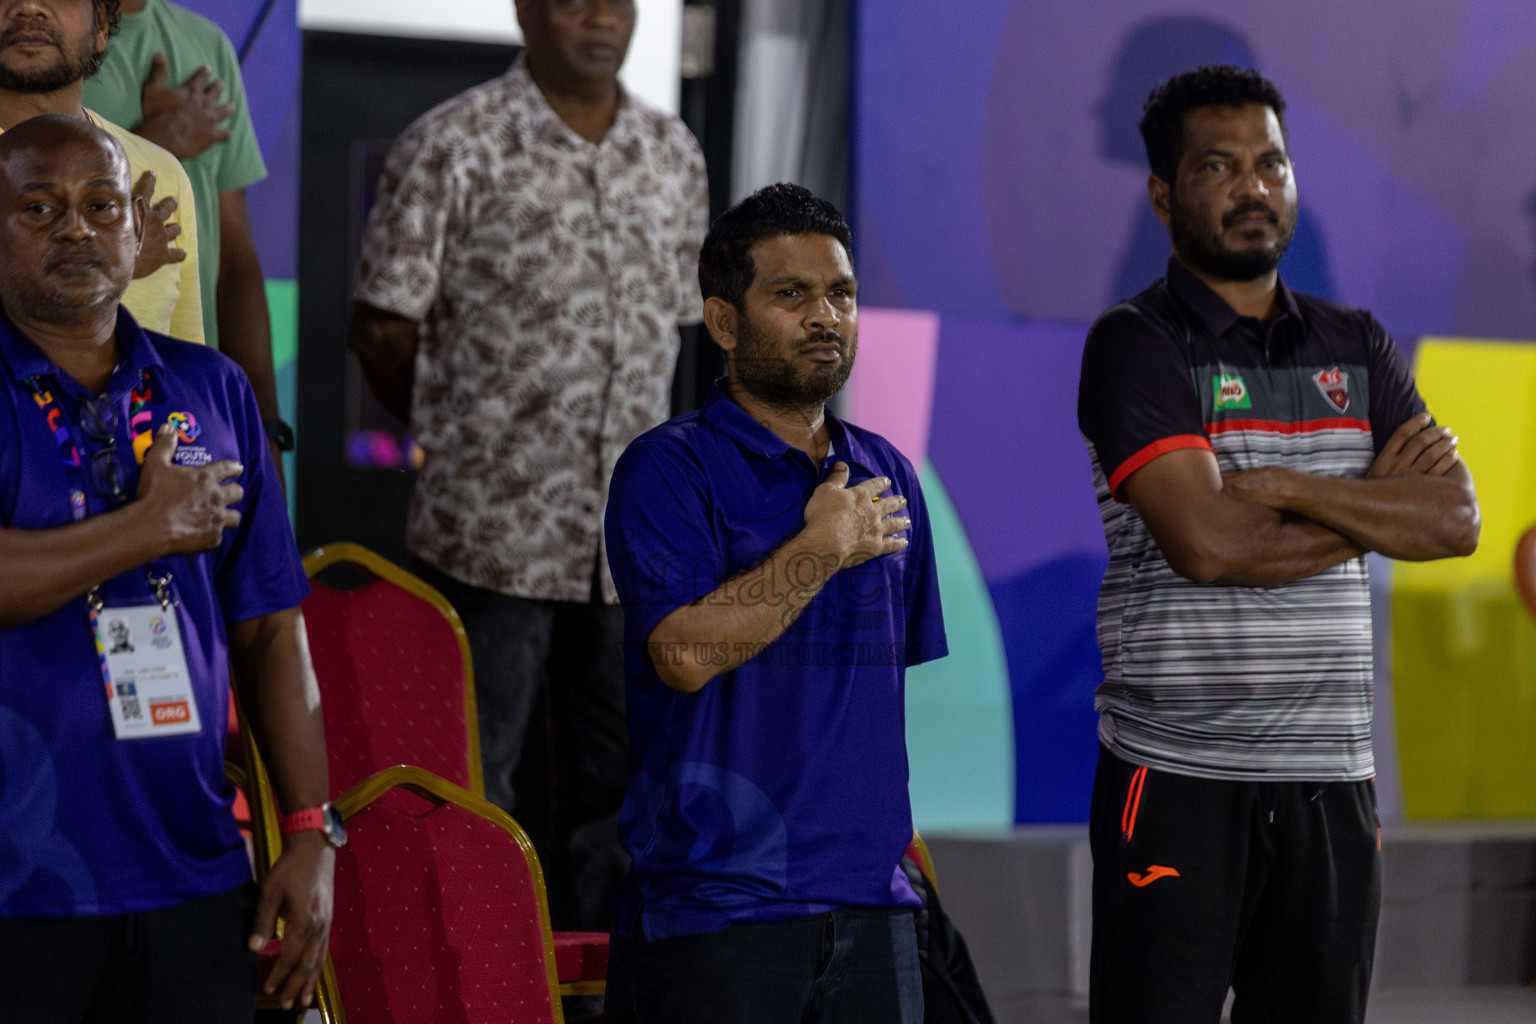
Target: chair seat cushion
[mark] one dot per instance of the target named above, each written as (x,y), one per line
(581,956)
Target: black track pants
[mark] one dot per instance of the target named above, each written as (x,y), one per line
(1269,888)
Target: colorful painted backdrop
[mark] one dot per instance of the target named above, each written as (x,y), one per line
(1001,189)
(266,34)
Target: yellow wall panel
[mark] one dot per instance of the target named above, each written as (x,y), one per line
(1463,646)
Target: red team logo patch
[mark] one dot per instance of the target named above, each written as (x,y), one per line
(1334,384)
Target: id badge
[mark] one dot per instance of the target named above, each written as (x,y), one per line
(144,666)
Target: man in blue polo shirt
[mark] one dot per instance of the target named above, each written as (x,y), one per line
(145,545)
(776,570)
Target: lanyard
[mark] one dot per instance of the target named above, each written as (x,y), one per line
(140,420)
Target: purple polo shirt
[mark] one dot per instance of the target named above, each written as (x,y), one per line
(90,824)
(780,789)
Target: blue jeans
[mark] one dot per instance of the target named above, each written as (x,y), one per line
(854,965)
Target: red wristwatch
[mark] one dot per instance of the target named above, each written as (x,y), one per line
(319,819)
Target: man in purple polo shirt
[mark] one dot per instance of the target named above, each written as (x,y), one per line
(145,545)
(776,570)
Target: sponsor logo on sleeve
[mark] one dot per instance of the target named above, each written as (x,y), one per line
(1230,392)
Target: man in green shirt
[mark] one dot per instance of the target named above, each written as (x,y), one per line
(158,42)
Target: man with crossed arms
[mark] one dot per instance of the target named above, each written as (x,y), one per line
(1250,444)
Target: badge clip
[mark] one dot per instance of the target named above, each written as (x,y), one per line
(162,589)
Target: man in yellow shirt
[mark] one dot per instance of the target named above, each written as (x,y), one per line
(46,52)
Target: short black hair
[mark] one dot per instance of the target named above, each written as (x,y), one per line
(726,269)
(109,12)
(1215,85)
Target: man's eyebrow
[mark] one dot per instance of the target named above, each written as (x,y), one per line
(799,281)
(43,186)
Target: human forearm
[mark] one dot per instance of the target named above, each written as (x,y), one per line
(277,684)
(278,690)
(385,346)
(245,328)
(1414,517)
(1274,551)
(1209,535)
(721,631)
(46,569)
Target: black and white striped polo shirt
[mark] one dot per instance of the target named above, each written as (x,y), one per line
(1225,681)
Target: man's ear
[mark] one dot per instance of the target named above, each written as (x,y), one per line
(1161,194)
(140,215)
(721,318)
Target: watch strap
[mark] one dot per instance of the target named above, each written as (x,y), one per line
(280,432)
(309,819)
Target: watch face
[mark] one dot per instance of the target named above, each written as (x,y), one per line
(335,831)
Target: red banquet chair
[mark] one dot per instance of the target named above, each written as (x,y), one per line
(397,687)
(440,910)
(396,682)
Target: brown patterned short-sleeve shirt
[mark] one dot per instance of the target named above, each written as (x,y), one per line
(549,275)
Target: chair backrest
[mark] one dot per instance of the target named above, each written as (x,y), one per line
(396,681)
(440,914)
(1525,568)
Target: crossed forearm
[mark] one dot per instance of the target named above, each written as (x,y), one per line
(1415,517)
(1267,548)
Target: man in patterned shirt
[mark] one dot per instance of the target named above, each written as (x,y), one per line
(1250,444)
(522,277)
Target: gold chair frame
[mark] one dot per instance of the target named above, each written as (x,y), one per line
(377,565)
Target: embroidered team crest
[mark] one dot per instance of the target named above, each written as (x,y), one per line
(1230,392)
(1334,384)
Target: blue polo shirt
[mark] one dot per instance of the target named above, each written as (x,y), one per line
(90,824)
(780,789)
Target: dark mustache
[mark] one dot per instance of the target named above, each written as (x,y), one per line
(10,34)
(1230,217)
(88,257)
(823,337)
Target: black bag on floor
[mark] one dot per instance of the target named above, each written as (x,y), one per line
(951,991)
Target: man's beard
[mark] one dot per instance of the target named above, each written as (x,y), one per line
(770,378)
(1208,253)
(73,65)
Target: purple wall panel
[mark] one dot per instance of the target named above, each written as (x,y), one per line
(1001,171)
(1005,441)
(271,73)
